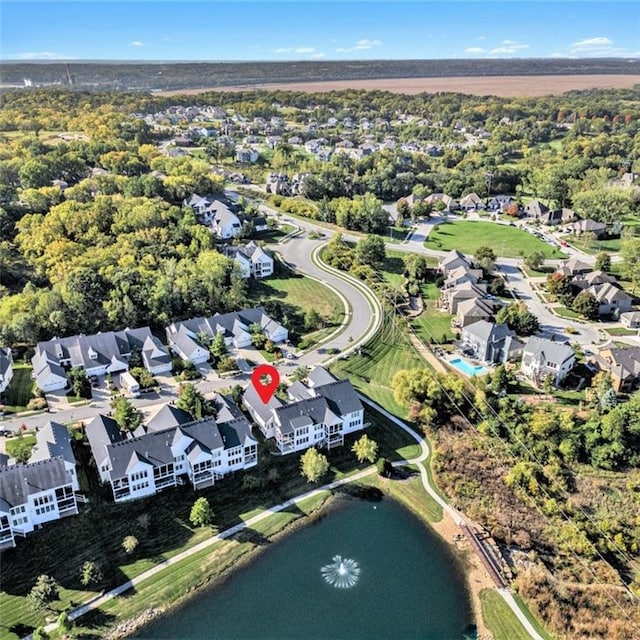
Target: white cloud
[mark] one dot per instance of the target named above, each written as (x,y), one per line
(365,43)
(283,50)
(42,55)
(305,50)
(482,37)
(474,50)
(599,41)
(317,56)
(599,47)
(343,50)
(509,46)
(137,43)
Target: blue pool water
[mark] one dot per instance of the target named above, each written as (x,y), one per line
(467,368)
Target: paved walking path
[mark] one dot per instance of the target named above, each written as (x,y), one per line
(457,517)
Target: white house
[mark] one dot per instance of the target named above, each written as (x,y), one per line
(199,451)
(630,319)
(318,414)
(6,368)
(31,495)
(216,215)
(542,357)
(246,155)
(185,337)
(40,491)
(252,259)
(98,354)
(53,441)
(184,341)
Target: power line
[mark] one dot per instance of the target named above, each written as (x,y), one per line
(510,453)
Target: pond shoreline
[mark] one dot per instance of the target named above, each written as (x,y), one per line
(444,529)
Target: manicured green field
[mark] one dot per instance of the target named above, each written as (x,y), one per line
(19,392)
(506,241)
(432,325)
(621,331)
(299,293)
(371,372)
(499,618)
(565,312)
(593,246)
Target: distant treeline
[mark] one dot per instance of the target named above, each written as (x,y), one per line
(145,76)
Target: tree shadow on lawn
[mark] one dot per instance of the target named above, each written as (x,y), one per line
(96,534)
(394,264)
(21,630)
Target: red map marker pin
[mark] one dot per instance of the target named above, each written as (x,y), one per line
(265,388)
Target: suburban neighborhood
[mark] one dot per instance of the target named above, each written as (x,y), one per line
(228,316)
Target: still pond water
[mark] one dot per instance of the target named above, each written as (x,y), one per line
(396,580)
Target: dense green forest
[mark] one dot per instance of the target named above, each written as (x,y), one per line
(116,248)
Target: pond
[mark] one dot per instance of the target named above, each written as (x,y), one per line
(367,569)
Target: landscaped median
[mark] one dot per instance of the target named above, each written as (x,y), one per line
(375,305)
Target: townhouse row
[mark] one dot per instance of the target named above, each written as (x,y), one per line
(172,449)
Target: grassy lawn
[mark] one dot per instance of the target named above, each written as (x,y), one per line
(590,245)
(393,268)
(394,234)
(20,390)
(296,294)
(565,312)
(432,325)
(501,621)
(543,270)
(275,235)
(371,372)
(509,242)
(621,331)
(15,443)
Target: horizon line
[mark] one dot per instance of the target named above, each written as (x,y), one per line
(305,60)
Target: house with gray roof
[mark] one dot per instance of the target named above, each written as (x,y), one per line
(6,368)
(542,357)
(40,491)
(452,297)
(318,414)
(586,280)
(473,310)
(623,363)
(630,319)
(54,441)
(453,260)
(471,202)
(573,267)
(252,259)
(98,354)
(611,300)
(579,227)
(490,342)
(157,457)
(185,338)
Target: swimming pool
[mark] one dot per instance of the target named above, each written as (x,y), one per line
(467,368)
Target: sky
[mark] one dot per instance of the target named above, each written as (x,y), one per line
(317,30)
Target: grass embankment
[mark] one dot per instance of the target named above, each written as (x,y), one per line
(593,246)
(506,241)
(501,621)
(432,324)
(20,389)
(372,370)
